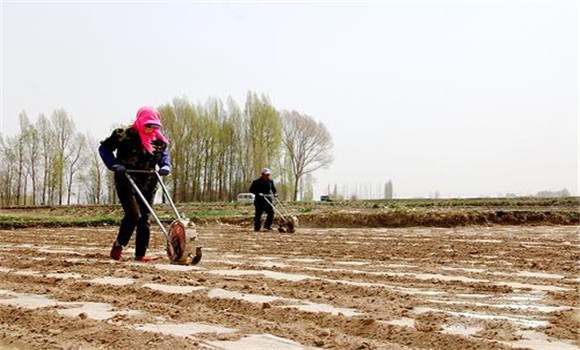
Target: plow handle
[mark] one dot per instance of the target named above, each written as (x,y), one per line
(283,207)
(138,191)
(163,187)
(272,205)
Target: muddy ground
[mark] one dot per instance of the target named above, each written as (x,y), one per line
(401,288)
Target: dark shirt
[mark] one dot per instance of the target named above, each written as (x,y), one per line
(262,186)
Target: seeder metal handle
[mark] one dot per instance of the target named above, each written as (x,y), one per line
(272,205)
(146,203)
(135,171)
(164,188)
(281,205)
(166,193)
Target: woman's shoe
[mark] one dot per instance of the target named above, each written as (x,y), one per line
(144,259)
(116,251)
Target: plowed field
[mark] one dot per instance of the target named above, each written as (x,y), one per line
(402,288)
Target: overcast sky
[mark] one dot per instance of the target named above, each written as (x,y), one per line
(467,99)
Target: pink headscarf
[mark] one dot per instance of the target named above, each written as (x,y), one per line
(148,115)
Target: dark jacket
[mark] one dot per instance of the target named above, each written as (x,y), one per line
(262,186)
(131,153)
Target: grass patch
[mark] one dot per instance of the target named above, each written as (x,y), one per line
(211,213)
(11,222)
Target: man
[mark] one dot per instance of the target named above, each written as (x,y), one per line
(262,188)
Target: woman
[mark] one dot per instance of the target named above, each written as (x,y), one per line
(138,147)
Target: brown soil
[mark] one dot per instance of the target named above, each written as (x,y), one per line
(499,330)
(430,322)
(565,324)
(438,218)
(436,277)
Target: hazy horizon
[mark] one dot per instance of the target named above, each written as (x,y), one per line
(466,99)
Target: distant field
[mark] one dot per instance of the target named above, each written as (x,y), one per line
(372,213)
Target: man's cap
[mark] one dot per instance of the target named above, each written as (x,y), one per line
(266,171)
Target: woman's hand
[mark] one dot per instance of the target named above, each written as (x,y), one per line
(119,169)
(164,170)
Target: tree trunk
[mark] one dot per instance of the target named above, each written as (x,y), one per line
(295,194)
(69,190)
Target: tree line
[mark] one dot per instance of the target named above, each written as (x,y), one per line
(217,148)
(361,191)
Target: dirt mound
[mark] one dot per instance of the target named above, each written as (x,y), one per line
(499,330)
(430,322)
(412,218)
(409,218)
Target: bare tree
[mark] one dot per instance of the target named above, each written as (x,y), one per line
(308,143)
(31,152)
(64,129)
(46,139)
(8,157)
(93,178)
(21,164)
(74,163)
